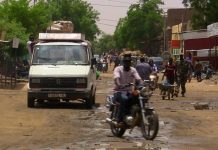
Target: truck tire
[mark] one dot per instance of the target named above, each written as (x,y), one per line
(88,103)
(93,99)
(30,102)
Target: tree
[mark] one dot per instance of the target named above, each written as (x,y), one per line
(120,36)
(19,20)
(13,30)
(32,18)
(142,25)
(104,44)
(205,12)
(36,18)
(81,13)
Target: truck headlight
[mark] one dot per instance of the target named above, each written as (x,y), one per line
(81,82)
(35,80)
(34,83)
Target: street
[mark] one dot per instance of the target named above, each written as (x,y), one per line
(55,126)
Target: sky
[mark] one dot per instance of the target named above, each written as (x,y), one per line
(111,10)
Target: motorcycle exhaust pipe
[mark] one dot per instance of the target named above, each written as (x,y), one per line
(110,121)
(114,123)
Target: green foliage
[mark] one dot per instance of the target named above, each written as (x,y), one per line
(80,13)
(104,44)
(205,13)
(120,35)
(34,18)
(20,18)
(14,30)
(144,23)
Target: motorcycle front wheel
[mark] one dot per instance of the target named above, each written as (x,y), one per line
(151,126)
(117,131)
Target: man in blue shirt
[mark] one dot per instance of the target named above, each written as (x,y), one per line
(143,69)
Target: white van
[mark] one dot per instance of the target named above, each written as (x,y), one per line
(62,69)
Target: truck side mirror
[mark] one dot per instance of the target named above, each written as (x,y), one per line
(93,62)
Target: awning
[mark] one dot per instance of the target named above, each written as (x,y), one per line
(197,44)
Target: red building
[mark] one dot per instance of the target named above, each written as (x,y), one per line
(202,46)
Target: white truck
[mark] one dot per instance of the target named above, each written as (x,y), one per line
(62,69)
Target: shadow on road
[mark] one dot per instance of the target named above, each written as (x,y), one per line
(64,105)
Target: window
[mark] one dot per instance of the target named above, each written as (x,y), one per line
(60,54)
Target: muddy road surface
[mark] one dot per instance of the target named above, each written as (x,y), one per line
(60,126)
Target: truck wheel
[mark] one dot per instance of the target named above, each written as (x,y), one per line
(93,99)
(89,103)
(30,102)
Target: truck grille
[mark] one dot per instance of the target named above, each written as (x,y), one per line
(58,83)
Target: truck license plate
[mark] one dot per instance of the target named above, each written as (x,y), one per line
(61,95)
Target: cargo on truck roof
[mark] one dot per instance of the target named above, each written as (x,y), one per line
(49,37)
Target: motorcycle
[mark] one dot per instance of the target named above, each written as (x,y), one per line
(140,114)
(153,81)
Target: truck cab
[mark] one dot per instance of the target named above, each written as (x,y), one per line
(62,69)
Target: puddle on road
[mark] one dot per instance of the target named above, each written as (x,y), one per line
(99,129)
(97,134)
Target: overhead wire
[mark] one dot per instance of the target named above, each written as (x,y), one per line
(110,5)
(110,20)
(107,24)
(119,1)
(120,6)
(106,5)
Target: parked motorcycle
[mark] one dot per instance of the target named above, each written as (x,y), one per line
(140,114)
(208,72)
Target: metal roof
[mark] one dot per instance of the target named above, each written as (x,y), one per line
(61,37)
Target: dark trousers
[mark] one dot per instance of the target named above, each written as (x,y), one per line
(181,82)
(198,74)
(125,102)
(171,80)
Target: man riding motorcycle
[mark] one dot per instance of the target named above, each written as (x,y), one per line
(154,76)
(123,75)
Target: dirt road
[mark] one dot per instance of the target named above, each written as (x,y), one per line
(71,126)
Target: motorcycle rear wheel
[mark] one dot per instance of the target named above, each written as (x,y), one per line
(117,131)
(150,129)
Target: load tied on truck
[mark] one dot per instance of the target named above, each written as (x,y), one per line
(62,70)
(61,27)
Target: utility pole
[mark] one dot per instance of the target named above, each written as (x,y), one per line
(164,32)
(185,3)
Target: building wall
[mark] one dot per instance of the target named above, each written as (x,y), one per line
(176,17)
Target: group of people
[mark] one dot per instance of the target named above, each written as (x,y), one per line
(178,72)
(125,74)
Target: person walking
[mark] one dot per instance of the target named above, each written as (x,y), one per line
(170,74)
(182,74)
(191,67)
(143,69)
(116,61)
(198,70)
(30,45)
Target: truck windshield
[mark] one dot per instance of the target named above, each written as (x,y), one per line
(60,55)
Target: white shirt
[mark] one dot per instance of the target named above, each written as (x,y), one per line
(125,77)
